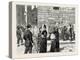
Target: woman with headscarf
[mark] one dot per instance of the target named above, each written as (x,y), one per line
(43,44)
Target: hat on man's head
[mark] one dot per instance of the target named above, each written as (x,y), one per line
(29,26)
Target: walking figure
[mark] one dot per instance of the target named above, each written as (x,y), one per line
(28,40)
(19,36)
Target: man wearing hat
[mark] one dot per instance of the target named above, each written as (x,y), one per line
(28,39)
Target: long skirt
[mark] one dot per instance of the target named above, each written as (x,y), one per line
(43,45)
(53,46)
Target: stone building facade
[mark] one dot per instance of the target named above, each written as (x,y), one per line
(48,15)
(52,16)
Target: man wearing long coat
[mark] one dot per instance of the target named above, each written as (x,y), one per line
(28,40)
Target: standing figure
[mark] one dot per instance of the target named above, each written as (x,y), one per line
(71,32)
(64,32)
(55,41)
(35,38)
(19,36)
(39,39)
(28,40)
(43,44)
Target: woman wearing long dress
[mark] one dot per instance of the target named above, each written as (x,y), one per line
(43,44)
(55,41)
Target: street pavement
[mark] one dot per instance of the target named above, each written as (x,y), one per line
(65,46)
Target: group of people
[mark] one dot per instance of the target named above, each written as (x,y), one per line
(68,33)
(41,38)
